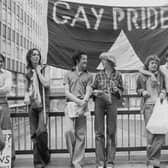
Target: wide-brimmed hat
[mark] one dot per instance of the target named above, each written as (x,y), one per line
(108,56)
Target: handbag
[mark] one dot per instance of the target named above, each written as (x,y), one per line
(158,122)
(35,104)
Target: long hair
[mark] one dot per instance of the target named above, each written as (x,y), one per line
(149,58)
(28,57)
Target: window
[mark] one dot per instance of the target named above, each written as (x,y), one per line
(19,12)
(9,33)
(24,42)
(17,39)
(36,27)
(5,3)
(18,8)
(9,4)
(22,14)
(0,28)
(27,44)
(31,22)
(25,17)
(13,35)
(30,1)
(28,20)
(4,31)
(31,44)
(21,41)
(14,8)
(40,9)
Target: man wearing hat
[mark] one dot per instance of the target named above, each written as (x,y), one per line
(107,88)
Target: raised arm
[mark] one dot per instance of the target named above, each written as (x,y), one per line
(148,73)
(44,81)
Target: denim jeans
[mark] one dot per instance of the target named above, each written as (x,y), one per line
(105,155)
(39,137)
(154,141)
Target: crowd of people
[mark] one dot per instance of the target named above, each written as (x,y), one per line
(106,89)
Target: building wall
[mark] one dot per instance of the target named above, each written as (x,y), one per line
(21,28)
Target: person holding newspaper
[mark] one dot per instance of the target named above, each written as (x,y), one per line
(37,95)
(77,83)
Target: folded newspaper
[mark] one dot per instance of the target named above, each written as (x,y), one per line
(74,110)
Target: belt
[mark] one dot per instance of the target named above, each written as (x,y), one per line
(67,100)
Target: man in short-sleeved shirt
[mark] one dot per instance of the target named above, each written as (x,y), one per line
(77,83)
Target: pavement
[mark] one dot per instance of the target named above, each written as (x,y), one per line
(62,161)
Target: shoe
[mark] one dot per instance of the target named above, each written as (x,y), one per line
(39,166)
(156,167)
(110,166)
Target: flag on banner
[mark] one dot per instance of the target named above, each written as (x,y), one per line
(129,33)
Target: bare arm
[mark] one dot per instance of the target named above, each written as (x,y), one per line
(145,72)
(88,93)
(42,78)
(88,89)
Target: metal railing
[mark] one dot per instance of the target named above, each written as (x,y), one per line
(130,130)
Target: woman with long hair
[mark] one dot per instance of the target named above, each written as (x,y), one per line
(34,96)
